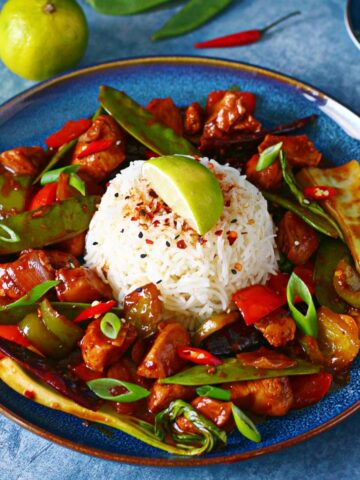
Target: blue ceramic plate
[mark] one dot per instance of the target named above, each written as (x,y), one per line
(30,117)
(352,20)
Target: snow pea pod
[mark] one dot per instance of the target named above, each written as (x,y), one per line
(124,7)
(319,223)
(233,370)
(194,14)
(142,125)
(14,192)
(50,224)
(328,256)
(70,309)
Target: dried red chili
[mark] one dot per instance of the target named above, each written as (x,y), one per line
(98,309)
(70,131)
(96,147)
(319,192)
(242,38)
(198,355)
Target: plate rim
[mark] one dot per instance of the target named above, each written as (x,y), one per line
(349,25)
(193,461)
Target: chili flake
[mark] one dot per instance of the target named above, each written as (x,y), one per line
(232,236)
(219,232)
(148,241)
(181,244)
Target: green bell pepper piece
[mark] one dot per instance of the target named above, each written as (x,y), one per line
(142,125)
(48,225)
(329,254)
(14,192)
(233,370)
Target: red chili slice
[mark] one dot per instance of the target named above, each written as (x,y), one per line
(12,333)
(256,302)
(320,192)
(98,309)
(70,131)
(45,196)
(96,147)
(198,355)
(309,389)
(85,373)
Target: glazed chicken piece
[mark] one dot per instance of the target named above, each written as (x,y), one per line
(99,165)
(278,328)
(99,351)
(270,396)
(167,113)
(296,239)
(299,149)
(193,119)
(268,179)
(81,285)
(30,269)
(24,160)
(161,395)
(162,359)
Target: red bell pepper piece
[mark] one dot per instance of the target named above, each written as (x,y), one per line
(98,309)
(70,131)
(309,389)
(12,333)
(320,192)
(306,273)
(96,147)
(45,196)
(256,302)
(85,373)
(279,282)
(198,355)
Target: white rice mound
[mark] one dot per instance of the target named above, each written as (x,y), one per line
(133,240)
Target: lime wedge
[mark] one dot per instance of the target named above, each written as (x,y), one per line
(190,189)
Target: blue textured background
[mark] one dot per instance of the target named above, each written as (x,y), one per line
(314,48)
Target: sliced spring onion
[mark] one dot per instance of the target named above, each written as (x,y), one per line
(13,236)
(102,387)
(32,296)
(53,175)
(307,323)
(268,156)
(110,325)
(76,182)
(214,392)
(245,426)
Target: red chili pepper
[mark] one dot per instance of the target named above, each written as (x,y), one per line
(70,131)
(241,38)
(12,333)
(309,389)
(96,147)
(198,355)
(45,196)
(85,373)
(306,273)
(320,192)
(98,309)
(256,302)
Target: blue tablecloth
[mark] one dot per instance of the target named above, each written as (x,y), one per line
(315,48)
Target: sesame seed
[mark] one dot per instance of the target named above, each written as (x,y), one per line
(159,281)
(306,201)
(234,220)
(143,255)
(140,235)
(233,271)
(142,212)
(122,230)
(296,243)
(138,290)
(177,236)
(127,197)
(116,194)
(95,243)
(167,244)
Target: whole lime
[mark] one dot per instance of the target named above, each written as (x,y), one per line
(41,38)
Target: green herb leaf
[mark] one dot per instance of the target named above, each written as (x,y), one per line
(307,323)
(214,392)
(102,388)
(76,182)
(306,203)
(233,370)
(53,175)
(194,14)
(245,425)
(110,325)
(142,125)
(32,296)
(124,7)
(268,156)
(13,236)
(209,434)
